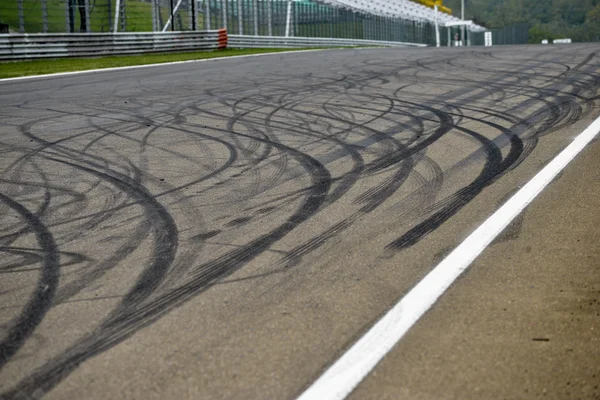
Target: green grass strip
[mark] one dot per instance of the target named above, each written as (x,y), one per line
(12,69)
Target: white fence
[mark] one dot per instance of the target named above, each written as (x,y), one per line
(243,41)
(38,46)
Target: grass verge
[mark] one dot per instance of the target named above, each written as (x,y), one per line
(14,69)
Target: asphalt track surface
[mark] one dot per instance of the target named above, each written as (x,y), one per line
(227,229)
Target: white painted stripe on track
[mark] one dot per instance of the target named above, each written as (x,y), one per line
(348,371)
(91,71)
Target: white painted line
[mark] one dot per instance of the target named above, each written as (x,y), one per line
(348,371)
(59,74)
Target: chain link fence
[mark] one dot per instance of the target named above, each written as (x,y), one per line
(511,34)
(60,16)
(243,17)
(301,18)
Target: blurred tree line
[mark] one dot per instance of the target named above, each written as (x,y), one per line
(549,19)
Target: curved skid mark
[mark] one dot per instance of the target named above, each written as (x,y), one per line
(41,300)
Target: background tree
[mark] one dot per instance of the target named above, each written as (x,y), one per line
(549,19)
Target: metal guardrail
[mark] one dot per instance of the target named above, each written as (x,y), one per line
(244,41)
(39,46)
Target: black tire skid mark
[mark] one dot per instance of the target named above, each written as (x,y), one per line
(280,163)
(161,225)
(165,236)
(131,244)
(41,300)
(397,179)
(380,137)
(377,196)
(426,203)
(227,164)
(131,315)
(348,179)
(185,257)
(524,147)
(10,237)
(459,81)
(270,135)
(445,125)
(193,130)
(263,137)
(147,281)
(44,185)
(44,208)
(111,204)
(31,259)
(373,197)
(521,125)
(255,161)
(423,197)
(494,166)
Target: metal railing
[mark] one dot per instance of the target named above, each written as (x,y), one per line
(36,46)
(244,41)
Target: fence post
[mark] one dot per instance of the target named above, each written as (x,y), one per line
(437,27)
(117,11)
(270,16)
(195,14)
(67,17)
(44,16)
(71,11)
(154,15)
(86,5)
(255,15)
(288,19)
(21,17)
(123,19)
(190,15)
(206,14)
(172,17)
(240,15)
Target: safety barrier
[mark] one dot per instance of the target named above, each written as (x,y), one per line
(244,41)
(39,46)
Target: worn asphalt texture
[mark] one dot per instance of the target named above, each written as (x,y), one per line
(227,229)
